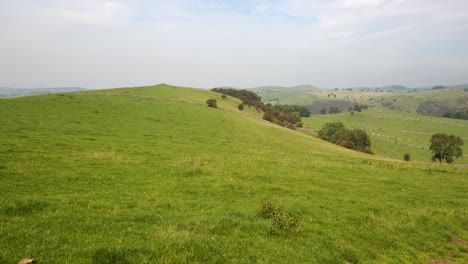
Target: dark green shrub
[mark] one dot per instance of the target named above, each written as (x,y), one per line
(291,126)
(281,220)
(267,210)
(212,103)
(240,107)
(407,157)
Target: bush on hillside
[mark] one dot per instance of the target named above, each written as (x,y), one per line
(240,107)
(407,157)
(336,133)
(212,103)
(281,219)
(272,114)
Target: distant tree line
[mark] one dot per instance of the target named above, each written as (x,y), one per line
(432,108)
(243,95)
(355,139)
(461,114)
(291,119)
(438,87)
(358,107)
(302,110)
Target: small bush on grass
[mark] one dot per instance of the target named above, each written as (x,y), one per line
(407,157)
(212,103)
(282,221)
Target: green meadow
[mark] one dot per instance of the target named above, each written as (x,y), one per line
(153,175)
(394,133)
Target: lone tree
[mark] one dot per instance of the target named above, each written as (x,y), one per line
(212,103)
(445,147)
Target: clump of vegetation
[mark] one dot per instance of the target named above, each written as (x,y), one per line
(281,219)
(432,108)
(336,133)
(407,157)
(358,107)
(445,147)
(283,115)
(212,103)
(240,107)
(223,96)
(462,114)
(302,110)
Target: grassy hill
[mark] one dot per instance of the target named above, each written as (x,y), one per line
(432,102)
(151,174)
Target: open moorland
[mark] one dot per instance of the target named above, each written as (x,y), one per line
(153,175)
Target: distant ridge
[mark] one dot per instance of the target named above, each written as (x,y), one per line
(273,89)
(15,92)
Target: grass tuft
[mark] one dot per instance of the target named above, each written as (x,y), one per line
(281,219)
(26,207)
(110,256)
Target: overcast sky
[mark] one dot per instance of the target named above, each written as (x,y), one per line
(245,43)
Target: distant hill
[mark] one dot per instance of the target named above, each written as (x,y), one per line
(431,102)
(15,92)
(387,88)
(275,89)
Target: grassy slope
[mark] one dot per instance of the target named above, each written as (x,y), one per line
(395,133)
(125,179)
(409,102)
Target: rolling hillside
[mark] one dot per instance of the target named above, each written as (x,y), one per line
(153,175)
(395,133)
(433,102)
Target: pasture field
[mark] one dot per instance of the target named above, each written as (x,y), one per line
(395,133)
(128,176)
(310,97)
(455,98)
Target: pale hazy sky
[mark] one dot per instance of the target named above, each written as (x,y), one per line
(247,43)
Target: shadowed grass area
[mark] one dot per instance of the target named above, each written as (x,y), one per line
(123,179)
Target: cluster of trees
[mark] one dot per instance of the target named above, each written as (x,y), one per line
(243,95)
(432,108)
(358,107)
(462,114)
(302,110)
(445,147)
(438,87)
(336,110)
(355,139)
(291,119)
(331,110)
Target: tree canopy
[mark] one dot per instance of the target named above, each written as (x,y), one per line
(336,133)
(445,147)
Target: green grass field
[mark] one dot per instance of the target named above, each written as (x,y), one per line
(153,175)
(395,133)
